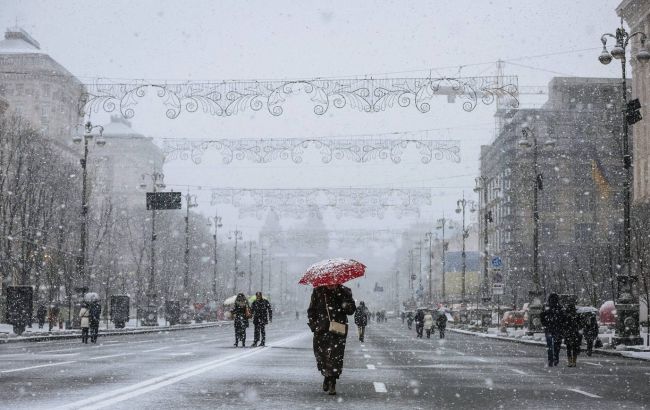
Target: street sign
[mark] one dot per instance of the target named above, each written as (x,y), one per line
(497,289)
(163,200)
(496,262)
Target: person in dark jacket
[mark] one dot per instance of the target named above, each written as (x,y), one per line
(361,319)
(41,314)
(409,320)
(332,303)
(262,315)
(95,309)
(553,321)
(240,312)
(572,334)
(590,332)
(419,322)
(441,323)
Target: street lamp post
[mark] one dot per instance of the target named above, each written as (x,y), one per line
(87,136)
(237,236)
(627,301)
(429,236)
(535,306)
(151,318)
(217,224)
(442,223)
(461,206)
(190,201)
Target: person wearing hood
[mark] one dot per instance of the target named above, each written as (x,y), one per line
(361,319)
(553,321)
(441,323)
(419,322)
(41,313)
(590,332)
(329,308)
(262,315)
(95,309)
(240,312)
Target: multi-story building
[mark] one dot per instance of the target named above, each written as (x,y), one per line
(580,204)
(38,88)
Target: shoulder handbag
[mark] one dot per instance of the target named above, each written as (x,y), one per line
(336,328)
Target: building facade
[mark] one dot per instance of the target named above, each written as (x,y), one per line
(579,192)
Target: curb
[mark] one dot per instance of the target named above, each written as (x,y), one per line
(603,352)
(112,332)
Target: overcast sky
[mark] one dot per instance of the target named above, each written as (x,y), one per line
(218,40)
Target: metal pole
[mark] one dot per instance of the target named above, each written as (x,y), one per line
(486,220)
(535,215)
(463,256)
(214,279)
(262,250)
(152,253)
(81,260)
(430,234)
(444,262)
(250,267)
(236,268)
(186,260)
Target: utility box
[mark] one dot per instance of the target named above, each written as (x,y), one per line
(119,310)
(19,307)
(172,311)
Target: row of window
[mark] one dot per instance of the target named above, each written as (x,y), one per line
(45,91)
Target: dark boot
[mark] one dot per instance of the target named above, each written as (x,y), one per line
(326,383)
(332,389)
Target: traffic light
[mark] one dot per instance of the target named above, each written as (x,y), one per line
(632,114)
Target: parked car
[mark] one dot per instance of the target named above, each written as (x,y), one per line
(513,318)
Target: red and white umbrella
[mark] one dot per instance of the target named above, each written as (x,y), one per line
(332,272)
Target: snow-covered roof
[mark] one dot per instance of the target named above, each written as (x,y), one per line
(120,127)
(18,41)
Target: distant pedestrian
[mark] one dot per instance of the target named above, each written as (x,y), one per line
(361,320)
(241,312)
(590,332)
(403,316)
(95,309)
(572,334)
(297,315)
(428,324)
(419,323)
(262,315)
(441,323)
(553,321)
(41,314)
(409,320)
(52,316)
(328,310)
(84,318)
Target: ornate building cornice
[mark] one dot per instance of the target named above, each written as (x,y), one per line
(228,98)
(359,150)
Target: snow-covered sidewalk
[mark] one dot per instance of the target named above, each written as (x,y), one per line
(632,352)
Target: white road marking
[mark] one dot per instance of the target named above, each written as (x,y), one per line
(59,350)
(593,396)
(112,397)
(37,367)
(480,359)
(519,371)
(370,366)
(111,355)
(367,356)
(380,387)
(156,350)
(522,351)
(181,354)
(593,364)
(364,350)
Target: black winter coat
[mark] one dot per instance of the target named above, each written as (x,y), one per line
(339,301)
(572,328)
(262,312)
(419,317)
(239,315)
(591,328)
(553,320)
(361,316)
(95,312)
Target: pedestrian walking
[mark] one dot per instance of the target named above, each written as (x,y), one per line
(403,316)
(84,318)
(95,309)
(572,334)
(428,324)
(419,323)
(361,319)
(590,332)
(241,312)
(52,316)
(441,323)
(41,314)
(262,315)
(553,321)
(328,310)
(297,315)
(409,320)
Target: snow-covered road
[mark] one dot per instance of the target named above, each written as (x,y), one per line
(392,369)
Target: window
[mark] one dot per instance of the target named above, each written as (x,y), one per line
(548,231)
(585,201)
(584,232)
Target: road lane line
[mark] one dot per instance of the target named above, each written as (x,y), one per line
(593,396)
(124,393)
(111,355)
(156,350)
(593,364)
(380,387)
(523,373)
(37,367)
(480,359)
(58,350)
(370,366)
(367,356)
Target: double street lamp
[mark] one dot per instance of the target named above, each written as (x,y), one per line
(482,184)
(535,306)
(461,206)
(100,141)
(238,237)
(216,220)
(442,223)
(627,303)
(190,202)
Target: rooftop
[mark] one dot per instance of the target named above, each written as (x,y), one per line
(18,41)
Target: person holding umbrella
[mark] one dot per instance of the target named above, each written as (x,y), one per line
(331,303)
